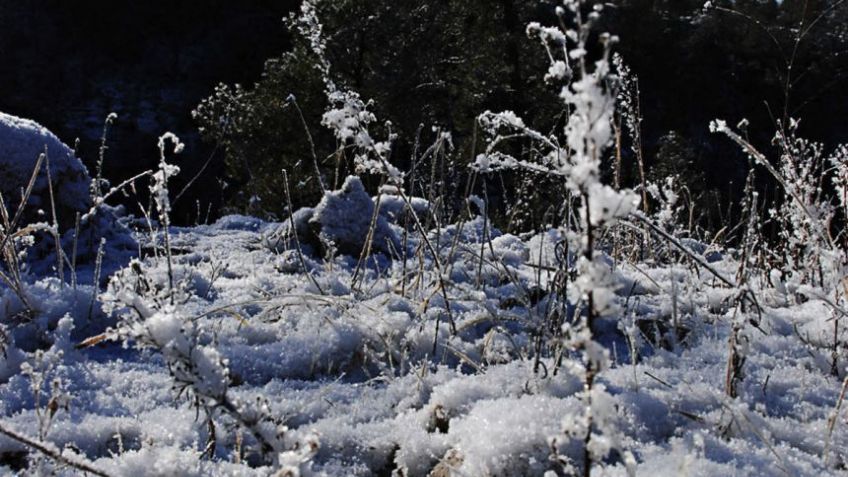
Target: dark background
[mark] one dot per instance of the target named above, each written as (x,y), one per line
(69,64)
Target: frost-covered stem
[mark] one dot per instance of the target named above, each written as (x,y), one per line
(588,461)
(591,367)
(74,252)
(221,400)
(735,358)
(749,210)
(293,101)
(211,439)
(60,255)
(640,159)
(9,256)
(464,215)
(98,267)
(616,124)
(294,234)
(433,166)
(339,155)
(251,425)
(672,240)
(369,238)
(52,452)
(411,176)
(485,237)
(690,206)
(436,260)
(405,252)
(589,255)
(168,257)
(113,191)
(98,179)
(194,178)
(159,190)
(834,352)
(10,225)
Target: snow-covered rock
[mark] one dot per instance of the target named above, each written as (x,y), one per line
(21,143)
(340,220)
(343,218)
(282,238)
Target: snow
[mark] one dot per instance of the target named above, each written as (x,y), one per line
(355,371)
(344,218)
(233,349)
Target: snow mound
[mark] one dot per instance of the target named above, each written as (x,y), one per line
(282,239)
(340,221)
(21,143)
(343,218)
(395,209)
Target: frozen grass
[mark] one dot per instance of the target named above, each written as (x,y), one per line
(355,369)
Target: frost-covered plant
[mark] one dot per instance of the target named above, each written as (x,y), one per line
(197,368)
(628,107)
(42,376)
(811,258)
(666,195)
(49,398)
(150,320)
(668,206)
(159,192)
(97,182)
(809,252)
(576,158)
(347,115)
(152,316)
(99,189)
(14,242)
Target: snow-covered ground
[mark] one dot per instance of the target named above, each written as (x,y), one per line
(362,337)
(354,367)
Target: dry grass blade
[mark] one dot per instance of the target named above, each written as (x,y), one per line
(24,199)
(92,341)
(57,239)
(52,452)
(831,421)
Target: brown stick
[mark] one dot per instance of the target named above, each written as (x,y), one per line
(831,422)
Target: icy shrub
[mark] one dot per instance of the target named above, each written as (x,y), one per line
(576,159)
(811,249)
(152,314)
